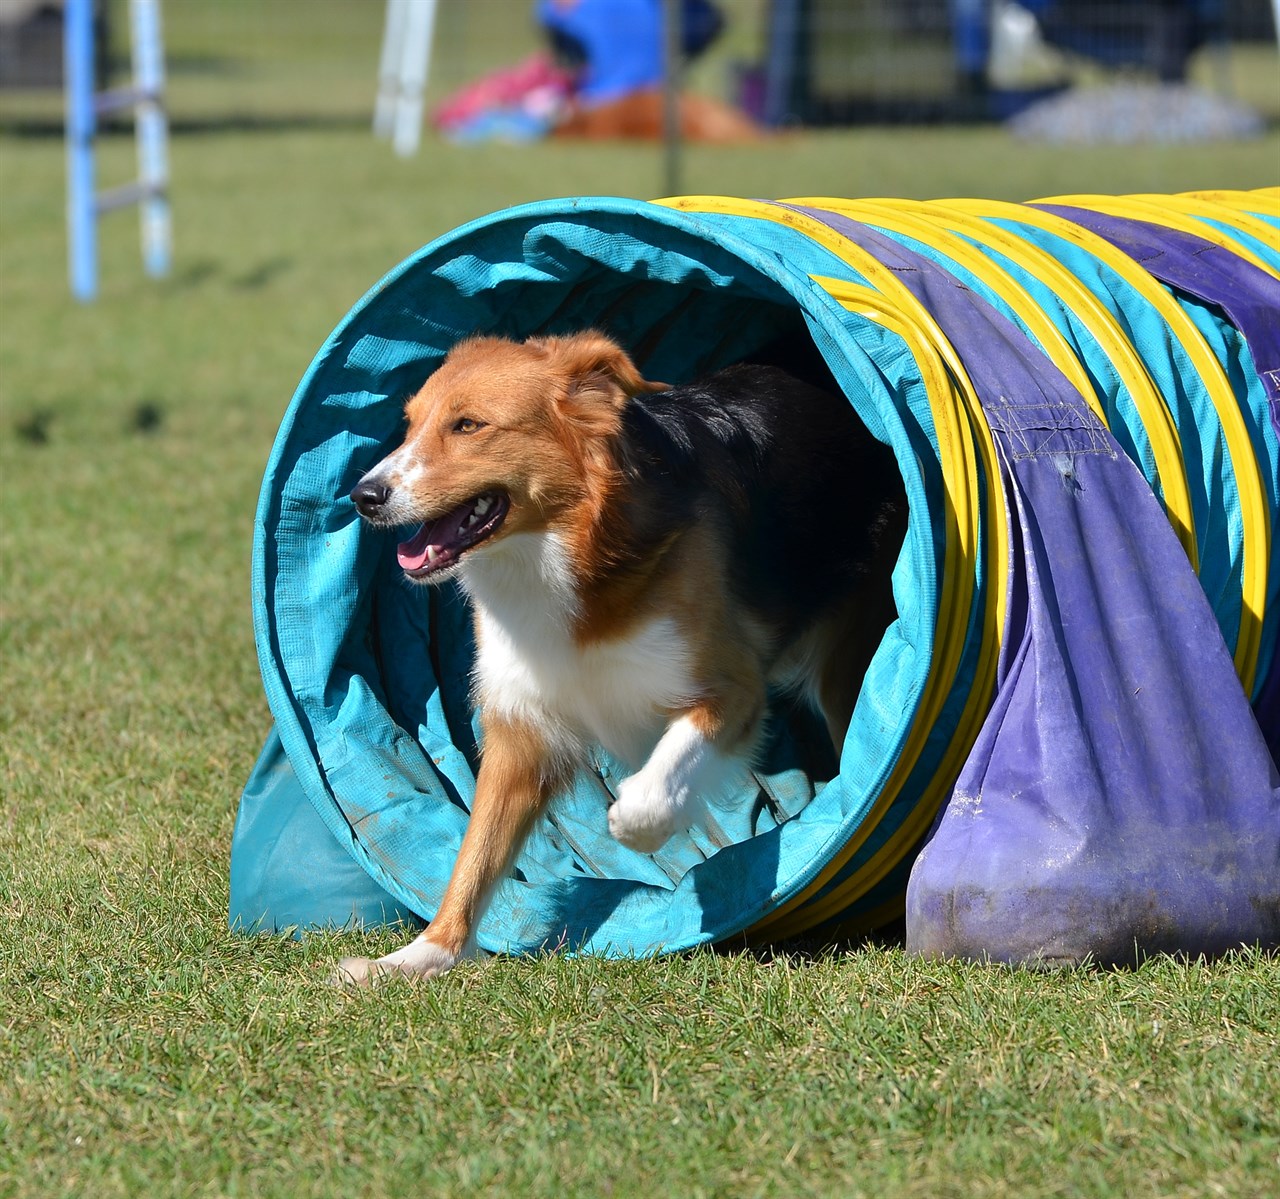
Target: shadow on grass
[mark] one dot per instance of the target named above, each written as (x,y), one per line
(44,125)
(809,950)
(200,271)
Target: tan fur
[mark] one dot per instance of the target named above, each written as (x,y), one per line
(514,785)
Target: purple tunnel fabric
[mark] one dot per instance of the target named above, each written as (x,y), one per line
(1120,798)
(1250,298)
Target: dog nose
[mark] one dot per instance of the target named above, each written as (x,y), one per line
(369,496)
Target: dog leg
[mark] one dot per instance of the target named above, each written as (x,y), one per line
(847,642)
(517,777)
(838,689)
(701,756)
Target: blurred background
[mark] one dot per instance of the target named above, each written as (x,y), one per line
(847,97)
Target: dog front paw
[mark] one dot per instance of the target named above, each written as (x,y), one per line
(419,959)
(358,972)
(643,818)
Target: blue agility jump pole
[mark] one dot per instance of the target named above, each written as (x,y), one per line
(1063,747)
(84,108)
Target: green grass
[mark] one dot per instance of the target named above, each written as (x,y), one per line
(145,1050)
(158,1058)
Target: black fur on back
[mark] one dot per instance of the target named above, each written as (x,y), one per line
(800,488)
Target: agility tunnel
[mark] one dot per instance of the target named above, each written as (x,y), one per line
(1065,744)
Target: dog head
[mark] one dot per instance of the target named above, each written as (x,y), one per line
(505,437)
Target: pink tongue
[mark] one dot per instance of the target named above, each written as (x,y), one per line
(442,533)
(412,554)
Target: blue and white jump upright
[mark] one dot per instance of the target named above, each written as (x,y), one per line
(84,108)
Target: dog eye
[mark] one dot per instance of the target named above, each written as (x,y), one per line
(467,425)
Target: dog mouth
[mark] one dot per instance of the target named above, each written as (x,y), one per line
(440,543)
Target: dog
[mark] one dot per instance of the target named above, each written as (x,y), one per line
(643,563)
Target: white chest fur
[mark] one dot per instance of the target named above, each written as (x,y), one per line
(529,667)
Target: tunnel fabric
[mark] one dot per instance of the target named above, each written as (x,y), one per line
(1040,529)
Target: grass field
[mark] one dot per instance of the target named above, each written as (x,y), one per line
(144,1050)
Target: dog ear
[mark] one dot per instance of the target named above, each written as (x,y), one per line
(598,369)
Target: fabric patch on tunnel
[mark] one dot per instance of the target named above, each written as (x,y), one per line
(1041,428)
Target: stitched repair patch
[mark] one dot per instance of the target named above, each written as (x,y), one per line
(1043,428)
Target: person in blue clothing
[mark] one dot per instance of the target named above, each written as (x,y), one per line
(616,46)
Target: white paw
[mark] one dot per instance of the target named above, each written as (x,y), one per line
(418,959)
(360,972)
(645,816)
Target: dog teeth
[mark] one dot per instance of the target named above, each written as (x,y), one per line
(477,513)
(432,555)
